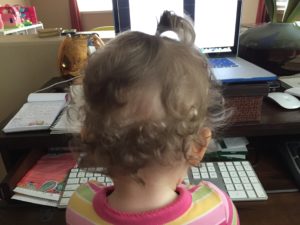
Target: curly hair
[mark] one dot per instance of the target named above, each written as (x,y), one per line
(147,99)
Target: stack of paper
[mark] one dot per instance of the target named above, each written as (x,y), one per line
(70,119)
(228,148)
(290,81)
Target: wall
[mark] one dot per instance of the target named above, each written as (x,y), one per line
(27,62)
(92,20)
(249,10)
(54,13)
(59,16)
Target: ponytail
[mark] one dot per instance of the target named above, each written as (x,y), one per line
(183,27)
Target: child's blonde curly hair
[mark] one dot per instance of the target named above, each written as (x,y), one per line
(147,99)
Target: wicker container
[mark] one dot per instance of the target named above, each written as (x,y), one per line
(245,100)
(246,108)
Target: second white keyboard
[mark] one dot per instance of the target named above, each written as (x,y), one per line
(238,179)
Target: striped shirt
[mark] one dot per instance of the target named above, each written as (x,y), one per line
(200,204)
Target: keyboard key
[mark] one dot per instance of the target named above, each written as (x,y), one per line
(213,175)
(236,180)
(73,181)
(196,176)
(248,186)
(101,179)
(71,187)
(250,173)
(229,187)
(203,169)
(237,194)
(239,168)
(64,201)
(259,191)
(233,174)
(251,194)
(195,169)
(81,174)
(211,169)
(230,168)
(72,175)
(239,187)
(89,174)
(67,194)
(227,180)
(204,175)
(210,164)
(83,180)
(223,168)
(237,163)
(245,180)
(225,174)
(242,173)
(253,179)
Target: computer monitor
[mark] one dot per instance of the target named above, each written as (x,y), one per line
(216,23)
(142,15)
(214,18)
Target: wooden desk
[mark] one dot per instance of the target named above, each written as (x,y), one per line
(279,209)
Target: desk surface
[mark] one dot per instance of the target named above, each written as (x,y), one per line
(279,209)
(274,121)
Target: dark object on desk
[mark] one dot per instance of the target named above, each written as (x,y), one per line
(69,31)
(246,100)
(290,151)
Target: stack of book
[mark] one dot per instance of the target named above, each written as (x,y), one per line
(227,149)
(43,183)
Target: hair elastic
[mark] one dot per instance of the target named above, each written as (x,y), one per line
(170,34)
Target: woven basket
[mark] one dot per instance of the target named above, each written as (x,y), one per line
(245,108)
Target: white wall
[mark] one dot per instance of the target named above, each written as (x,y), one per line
(249,10)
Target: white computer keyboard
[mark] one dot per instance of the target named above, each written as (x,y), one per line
(238,179)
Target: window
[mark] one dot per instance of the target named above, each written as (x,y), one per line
(94,5)
(281,4)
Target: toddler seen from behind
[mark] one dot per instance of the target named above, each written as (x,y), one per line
(151,108)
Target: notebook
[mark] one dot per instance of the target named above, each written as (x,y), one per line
(38,113)
(216,24)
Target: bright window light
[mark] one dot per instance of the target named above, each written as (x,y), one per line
(94,5)
(281,4)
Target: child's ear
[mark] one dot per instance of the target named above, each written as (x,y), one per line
(196,154)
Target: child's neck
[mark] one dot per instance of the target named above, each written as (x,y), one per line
(158,191)
(134,197)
